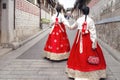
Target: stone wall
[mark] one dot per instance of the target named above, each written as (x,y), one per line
(0,15)
(110,34)
(45,13)
(104,9)
(111,9)
(106,14)
(0,22)
(26,19)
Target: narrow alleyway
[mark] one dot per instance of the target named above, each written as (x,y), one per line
(20,20)
(28,63)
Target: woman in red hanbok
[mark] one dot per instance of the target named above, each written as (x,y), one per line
(85,45)
(57,46)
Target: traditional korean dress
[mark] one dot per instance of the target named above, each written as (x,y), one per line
(57,45)
(77,65)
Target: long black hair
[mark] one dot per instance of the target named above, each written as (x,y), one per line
(85,10)
(58,9)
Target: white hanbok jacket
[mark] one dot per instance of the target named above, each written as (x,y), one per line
(90,27)
(61,19)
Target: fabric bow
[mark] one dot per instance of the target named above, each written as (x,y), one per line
(84,26)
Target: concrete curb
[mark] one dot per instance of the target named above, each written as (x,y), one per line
(114,53)
(16,45)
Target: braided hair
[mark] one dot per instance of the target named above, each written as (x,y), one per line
(85,11)
(58,9)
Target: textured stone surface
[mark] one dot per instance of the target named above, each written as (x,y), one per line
(26,20)
(108,32)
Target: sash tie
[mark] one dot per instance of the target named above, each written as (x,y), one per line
(57,24)
(80,34)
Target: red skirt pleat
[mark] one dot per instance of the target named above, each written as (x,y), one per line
(78,61)
(57,41)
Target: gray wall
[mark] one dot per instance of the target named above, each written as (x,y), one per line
(107,18)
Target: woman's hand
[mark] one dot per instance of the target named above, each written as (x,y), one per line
(70,28)
(94,45)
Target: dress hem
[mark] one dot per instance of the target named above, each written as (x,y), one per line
(54,56)
(91,75)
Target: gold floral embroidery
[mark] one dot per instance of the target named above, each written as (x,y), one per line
(54,56)
(92,75)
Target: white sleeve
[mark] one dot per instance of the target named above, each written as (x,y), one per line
(74,26)
(92,30)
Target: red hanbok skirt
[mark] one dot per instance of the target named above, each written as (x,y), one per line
(78,66)
(57,46)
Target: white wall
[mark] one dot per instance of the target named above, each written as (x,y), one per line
(44,14)
(7,22)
